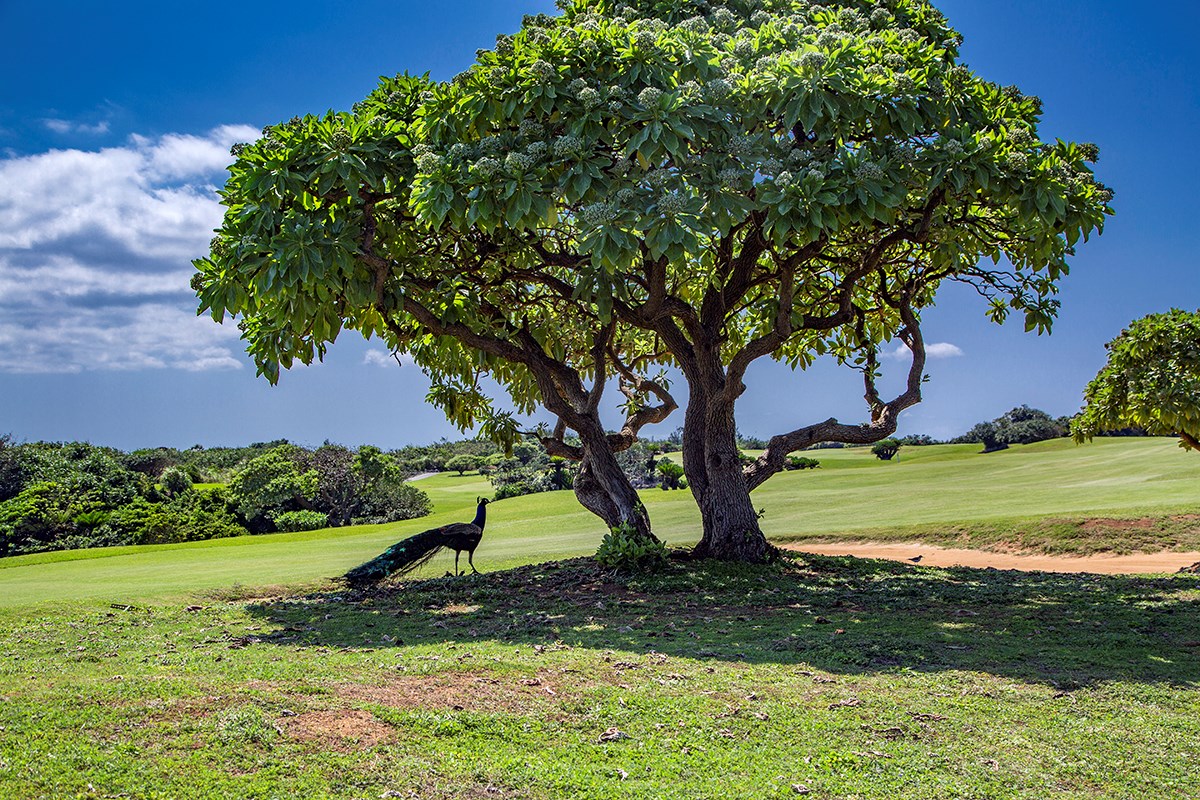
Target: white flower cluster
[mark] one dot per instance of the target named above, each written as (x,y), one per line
(491,145)
(742,146)
(341,140)
(645,40)
(426,159)
(953,147)
(717,90)
(626,196)
(649,96)
(896,61)
(537,150)
(771,166)
(813,60)
(589,49)
(696,25)
(906,154)
(881,18)
(461,150)
(598,214)
(851,19)
(760,18)
(1021,137)
(731,178)
(910,36)
(743,47)
(621,166)
(589,97)
(486,167)
(568,146)
(828,39)
(1017,160)
(658,178)
(519,163)
(868,172)
(876,70)
(877,42)
(530,129)
(1090,152)
(905,84)
(504,44)
(544,70)
(577,85)
(672,203)
(784,179)
(723,18)
(766,64)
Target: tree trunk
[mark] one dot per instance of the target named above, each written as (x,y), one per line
(602,486)
(712,462)
(612,498)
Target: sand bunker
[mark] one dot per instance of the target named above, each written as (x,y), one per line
(930,556)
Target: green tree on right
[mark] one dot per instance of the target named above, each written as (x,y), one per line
(1151,381)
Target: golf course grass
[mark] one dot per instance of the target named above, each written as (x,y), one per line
(235,669)
(1045,497)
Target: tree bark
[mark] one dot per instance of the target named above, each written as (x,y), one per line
(603,488)
(712,463)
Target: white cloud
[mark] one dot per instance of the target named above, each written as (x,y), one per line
(383,358)
(935,350)
(95,255)
(64,126)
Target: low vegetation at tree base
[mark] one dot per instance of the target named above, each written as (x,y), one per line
(829,678)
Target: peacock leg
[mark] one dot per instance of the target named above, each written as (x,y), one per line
(457,553)
(471,561)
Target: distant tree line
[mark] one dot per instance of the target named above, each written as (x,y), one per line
(68,495)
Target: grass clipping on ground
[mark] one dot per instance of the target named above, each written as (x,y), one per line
(824,677)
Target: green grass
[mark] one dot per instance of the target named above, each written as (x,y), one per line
(841,678)
(1038,497)
(232,669)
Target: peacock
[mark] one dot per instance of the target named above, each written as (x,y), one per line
(410,553)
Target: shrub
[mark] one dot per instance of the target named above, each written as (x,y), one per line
(623,549)
(176,481)
(290,521)
(463,464)
(671,474)
(800,462)
(886,449)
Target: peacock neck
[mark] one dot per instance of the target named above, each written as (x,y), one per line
(480,515)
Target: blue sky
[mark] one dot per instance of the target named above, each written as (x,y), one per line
(115,124)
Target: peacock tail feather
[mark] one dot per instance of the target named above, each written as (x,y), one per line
(403,556)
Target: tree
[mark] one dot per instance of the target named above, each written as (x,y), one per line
(1021,425)
(886,449)
(320,235)
(669,183)
(1151,381)
(463,464)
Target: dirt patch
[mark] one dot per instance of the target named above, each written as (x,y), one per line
(1094,525)
(931,556)
(338,729)
(454,691)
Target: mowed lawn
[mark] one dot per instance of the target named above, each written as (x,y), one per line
(234,669)
(941,494)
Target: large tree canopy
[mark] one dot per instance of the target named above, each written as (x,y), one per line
(676,182)
(1151,381)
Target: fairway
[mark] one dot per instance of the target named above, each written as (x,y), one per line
(941,492)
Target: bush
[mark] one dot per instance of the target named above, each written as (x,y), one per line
(463,464)
(624,550)
(800,462)
(175,481)
(886,449)
(291,521)
(671,474)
